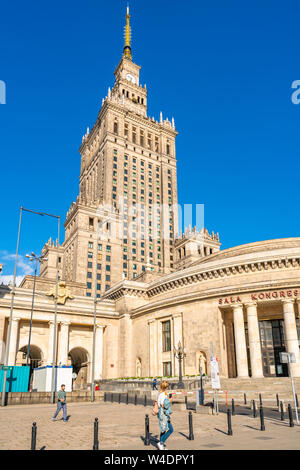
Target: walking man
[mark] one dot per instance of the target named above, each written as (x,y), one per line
(61,403)
(154,383)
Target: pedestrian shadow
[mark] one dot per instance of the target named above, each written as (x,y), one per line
(153,439)
(221,430)
(68,417)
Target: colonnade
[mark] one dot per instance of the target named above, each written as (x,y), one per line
(63,344)
(290,332)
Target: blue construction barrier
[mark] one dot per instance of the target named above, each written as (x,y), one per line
(17,379)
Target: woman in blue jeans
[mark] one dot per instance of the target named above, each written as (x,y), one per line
(164,416)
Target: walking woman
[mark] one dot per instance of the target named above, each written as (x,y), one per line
(164,415)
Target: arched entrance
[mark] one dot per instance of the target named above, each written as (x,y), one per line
(35,359)
(80,361)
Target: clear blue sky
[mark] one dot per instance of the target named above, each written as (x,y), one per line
(224,71)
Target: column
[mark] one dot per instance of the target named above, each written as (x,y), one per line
(152,347)
(240,341)
(63,343)
(99,352)
(13,341)
(50,343)
(2,340)
(254,341)
(291,336)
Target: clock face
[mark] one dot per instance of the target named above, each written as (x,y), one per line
(130,78)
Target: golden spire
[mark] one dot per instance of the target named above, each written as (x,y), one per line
(127,34)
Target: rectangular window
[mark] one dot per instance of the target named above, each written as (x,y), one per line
(166,336)
(167,369)
(88,285)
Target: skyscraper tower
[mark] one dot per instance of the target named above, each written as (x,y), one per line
(124,221)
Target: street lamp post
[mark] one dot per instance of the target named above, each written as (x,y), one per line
(13,292)
(179,354)
(36,259)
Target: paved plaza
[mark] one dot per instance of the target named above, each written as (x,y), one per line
(122,427)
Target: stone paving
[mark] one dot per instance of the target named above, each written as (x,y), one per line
(122,427)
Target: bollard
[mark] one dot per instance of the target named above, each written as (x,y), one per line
(262,421)
(260,401)
(33,437)
(297,403)
(105,397)
(111,397)
(229,432)
(245,399)
(277,400)
(281,412)
(145,400)
(232,407)
(185,400)
(127,399)
(119,397)
(254,408)
(290,416)
(96,441)
(135,399)
(147,433)
(191,435)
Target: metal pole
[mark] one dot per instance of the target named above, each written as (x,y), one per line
(31,315)
(229,432)
(281,412)
(3,396)
(147,433)
(55,318)
(294,394)
(191,432)
(33,437)
(254,408)
(94,348)
(262,422)
(290,415)
(96,441)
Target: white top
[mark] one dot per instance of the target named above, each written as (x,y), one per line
(161,398)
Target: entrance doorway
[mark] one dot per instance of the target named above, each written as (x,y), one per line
(272,344)
(79,360)
(35,359)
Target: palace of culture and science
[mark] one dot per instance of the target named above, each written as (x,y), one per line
(150,287)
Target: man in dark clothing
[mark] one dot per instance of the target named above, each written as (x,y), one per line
(61,404)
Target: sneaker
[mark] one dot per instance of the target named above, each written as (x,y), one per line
(165,447)
(160,446)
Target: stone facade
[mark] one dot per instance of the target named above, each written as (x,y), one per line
(149,294)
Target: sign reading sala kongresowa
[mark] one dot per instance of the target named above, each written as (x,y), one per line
(268,295)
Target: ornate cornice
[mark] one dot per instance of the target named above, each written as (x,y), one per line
(189,276)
